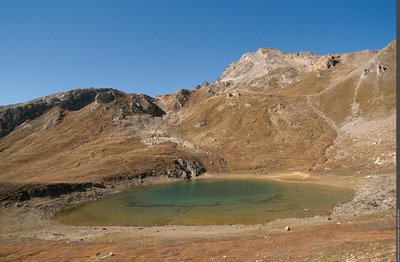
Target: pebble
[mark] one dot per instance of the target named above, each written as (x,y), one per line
(288,228)
(109,255)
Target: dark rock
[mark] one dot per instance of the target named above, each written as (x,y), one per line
(104,98)
(380,69)
(47,190)
(332,61)
(222,162)
(184,170)
(182,96)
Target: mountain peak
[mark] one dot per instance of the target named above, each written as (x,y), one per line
(270,67)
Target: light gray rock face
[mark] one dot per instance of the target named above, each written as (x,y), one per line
(269,68)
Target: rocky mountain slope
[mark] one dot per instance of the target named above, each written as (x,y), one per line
(269,110)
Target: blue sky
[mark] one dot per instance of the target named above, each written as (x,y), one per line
(159,46)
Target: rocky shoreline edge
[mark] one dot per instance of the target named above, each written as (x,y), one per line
(374,197)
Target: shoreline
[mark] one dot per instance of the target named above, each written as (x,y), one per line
(374,199)
(333,179)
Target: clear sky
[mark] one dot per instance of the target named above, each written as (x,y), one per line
(159,46)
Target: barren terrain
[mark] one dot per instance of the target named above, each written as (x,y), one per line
(297,118)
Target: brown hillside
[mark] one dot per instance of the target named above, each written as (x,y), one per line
(269,110)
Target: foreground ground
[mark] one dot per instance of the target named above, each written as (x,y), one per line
(361,230)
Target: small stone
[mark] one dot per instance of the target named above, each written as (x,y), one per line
(306,209)
(224,257)
(329,218)
(288,228)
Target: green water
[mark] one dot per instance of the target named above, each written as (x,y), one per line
(207,202)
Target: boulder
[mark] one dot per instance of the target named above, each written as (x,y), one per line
(184,170)
(104,98)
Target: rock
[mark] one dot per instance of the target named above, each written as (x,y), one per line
(306,209)
(184,170)
(326,62)
(182,96)
(288,228)
(104,98)
(200,124)
(211,92)
(109,255)
(380,69)
(365,72)
(278,107)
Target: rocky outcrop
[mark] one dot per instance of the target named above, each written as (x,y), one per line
(184,170)
(182,96)
(104,97)
(145,104)
(27,192)
(327,61)
(14,115)
(266,69)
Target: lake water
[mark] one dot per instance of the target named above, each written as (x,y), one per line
(211,201)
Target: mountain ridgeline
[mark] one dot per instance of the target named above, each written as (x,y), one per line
(269,110)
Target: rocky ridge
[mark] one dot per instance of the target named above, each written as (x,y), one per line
(269,111)
(266,70)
